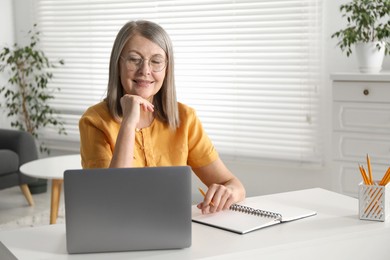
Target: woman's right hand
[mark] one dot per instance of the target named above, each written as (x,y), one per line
(131,108)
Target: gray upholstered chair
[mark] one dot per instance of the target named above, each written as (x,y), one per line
(16,148)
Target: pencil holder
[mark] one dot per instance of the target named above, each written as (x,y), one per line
(374,202)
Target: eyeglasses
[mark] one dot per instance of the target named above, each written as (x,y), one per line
(156,63)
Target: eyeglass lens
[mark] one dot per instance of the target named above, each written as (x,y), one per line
(156,63)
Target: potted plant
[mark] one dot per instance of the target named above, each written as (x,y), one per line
(368,29)
(26,92)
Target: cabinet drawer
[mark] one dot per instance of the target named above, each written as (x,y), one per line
(361,117)
(354,147)
(362,91)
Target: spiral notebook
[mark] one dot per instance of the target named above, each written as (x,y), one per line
(253,214)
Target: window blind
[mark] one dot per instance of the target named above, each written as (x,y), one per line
(251,69)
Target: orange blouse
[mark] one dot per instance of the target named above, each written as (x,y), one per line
(156,145)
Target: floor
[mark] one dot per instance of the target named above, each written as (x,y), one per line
(13,204)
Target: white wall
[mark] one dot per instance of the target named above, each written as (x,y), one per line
(7,39)
(6,19)
(258,177)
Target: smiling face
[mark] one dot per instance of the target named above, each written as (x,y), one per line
(141,80)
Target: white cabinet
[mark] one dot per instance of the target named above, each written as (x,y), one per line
(361,126)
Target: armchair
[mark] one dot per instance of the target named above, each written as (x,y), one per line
(16,148)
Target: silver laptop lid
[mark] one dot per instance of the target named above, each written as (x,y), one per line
(127,209)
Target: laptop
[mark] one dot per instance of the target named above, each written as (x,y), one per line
(125,209)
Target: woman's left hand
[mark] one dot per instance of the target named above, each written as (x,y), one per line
(218,197)
(224,189)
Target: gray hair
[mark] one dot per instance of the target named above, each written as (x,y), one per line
(165,101)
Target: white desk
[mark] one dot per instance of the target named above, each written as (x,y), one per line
(52,168)
(335,233)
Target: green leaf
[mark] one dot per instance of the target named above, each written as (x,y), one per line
(26,93)
(364,23)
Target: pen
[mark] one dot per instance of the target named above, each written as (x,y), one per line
(204,195)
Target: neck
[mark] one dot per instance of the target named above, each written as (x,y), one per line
(145,120)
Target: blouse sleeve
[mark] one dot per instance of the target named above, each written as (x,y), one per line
(201,151)
(95,140)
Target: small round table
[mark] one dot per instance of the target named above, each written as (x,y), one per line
(52,168)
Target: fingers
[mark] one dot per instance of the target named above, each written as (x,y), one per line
(147,106)
(220,196)
(132,106)
(134,101)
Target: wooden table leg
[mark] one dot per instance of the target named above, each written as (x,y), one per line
(56,185)
(27,194)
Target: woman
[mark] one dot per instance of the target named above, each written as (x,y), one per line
(141,124)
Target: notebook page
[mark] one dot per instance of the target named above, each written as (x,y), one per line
(232,220)
(289,213)
(242,223)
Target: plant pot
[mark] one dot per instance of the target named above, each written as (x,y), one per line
(370,59)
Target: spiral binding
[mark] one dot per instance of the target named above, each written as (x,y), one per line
(256,212)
